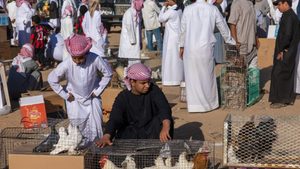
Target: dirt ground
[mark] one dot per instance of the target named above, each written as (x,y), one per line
(201,126)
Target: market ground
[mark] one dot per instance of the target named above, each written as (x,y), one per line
(201,126)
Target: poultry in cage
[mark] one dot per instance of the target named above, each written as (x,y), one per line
(67,142)
(49,142)
(254,143)
(128,163)
(201,160)
(245,140)
(265,134)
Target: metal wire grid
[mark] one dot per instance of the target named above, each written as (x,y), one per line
(13,138)
(233,87)
(145,153)
(233,57)
(262,141)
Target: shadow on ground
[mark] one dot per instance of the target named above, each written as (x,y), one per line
(188,130)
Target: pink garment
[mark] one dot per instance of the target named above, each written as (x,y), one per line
(78,45)
(20,2)
(26,51)
(137,71)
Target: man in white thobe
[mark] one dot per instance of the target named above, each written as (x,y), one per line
(172,65)
(197,44)
(91,27)
(130,38)
(82,93)
(12,13)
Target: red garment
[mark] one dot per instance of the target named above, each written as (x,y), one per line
(39,36)
(78,25)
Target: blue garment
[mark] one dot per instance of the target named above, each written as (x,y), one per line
(156,32)
(51,45)
(24,37)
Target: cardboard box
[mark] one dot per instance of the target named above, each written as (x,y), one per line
(22,158)
(37,161)
(33,111)
(266,52)
(33,161)
(108,97)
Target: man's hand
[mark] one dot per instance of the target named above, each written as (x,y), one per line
(280,56)
(181,52)
(164,135)
(71,97)
(104,141)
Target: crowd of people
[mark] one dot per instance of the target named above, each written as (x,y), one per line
(190,37)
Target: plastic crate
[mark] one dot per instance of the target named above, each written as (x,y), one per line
(252,86)
(3,20)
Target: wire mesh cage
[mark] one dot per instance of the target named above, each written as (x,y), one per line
(233,57)
(262,141)
(13,137)
(233,87)
(152,154)
(61,137)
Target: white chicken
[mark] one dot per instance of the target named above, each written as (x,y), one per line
(59,147)
(128,163)
(109,165)
(159,164)
(74,139)
(67,142)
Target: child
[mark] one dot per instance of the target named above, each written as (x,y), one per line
(24,74)
(84,86)
(78,24)
(38,39)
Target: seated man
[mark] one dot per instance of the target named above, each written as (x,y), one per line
(139,112)
(24,74)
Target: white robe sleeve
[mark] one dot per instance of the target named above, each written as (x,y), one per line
(55,77)
(183,29)
(164,15)
(28,13)
(106,70)
(223,28)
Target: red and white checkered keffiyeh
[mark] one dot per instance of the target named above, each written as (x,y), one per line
(136,71)
(26,54)
(78,45)
(26,51)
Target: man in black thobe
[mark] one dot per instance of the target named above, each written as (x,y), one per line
(282,78)
(139,112)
